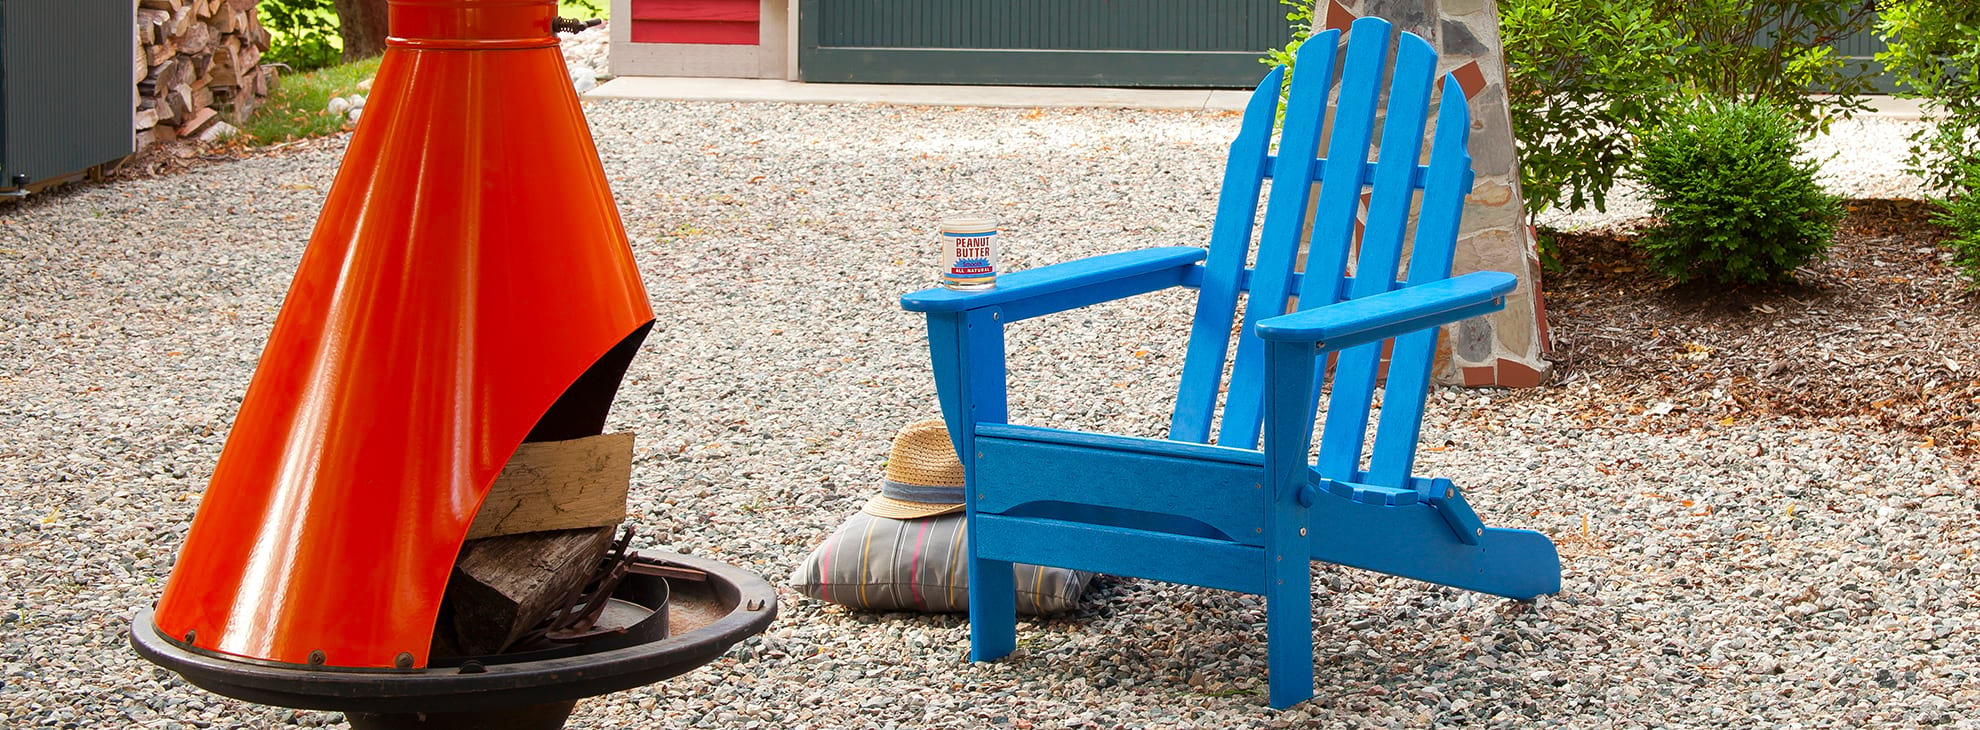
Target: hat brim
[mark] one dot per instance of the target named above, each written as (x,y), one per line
(899,509)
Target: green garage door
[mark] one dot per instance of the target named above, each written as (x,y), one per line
(1860,49)
(1184,43)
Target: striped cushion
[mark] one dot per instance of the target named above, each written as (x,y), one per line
(918,565)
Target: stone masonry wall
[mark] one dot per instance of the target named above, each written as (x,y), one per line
(1506,348)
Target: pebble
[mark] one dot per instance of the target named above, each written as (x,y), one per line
(775,241)
(587,54)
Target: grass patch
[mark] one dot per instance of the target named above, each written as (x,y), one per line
(296,108)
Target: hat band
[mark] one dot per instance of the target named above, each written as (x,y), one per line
(924,493)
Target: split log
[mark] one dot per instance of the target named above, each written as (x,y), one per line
(197,38)
(159,53)
(182,20)
(201,119)
(151,25)
(502,587)
(541,534)
(202,68)
(557,485)
(192,49)
(179,100)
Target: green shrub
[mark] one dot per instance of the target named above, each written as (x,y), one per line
(305,33)
(1961,215)
(1299,16)
(1735,204)
(1777,51)
(1934,52)
(1583,77)
(583,8)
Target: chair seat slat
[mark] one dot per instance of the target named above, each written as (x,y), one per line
(1117,474)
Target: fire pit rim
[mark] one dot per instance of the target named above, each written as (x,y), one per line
(496,685)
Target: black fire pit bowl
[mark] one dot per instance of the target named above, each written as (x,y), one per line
(515,692)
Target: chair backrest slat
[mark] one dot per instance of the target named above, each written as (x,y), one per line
(1279,237)
(1449,181)
(1380,250)
(1224,273)
(1338,234)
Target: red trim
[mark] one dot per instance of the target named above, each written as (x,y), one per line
(702,10)
(715,32)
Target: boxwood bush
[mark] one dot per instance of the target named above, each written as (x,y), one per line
(1735,203)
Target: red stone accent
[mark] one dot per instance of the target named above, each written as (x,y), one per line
(1503,373)
(1470,78)
(1513,374)
(1339,17)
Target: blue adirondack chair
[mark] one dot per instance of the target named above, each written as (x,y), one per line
(1235,514)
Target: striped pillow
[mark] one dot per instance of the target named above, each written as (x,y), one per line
(918,565)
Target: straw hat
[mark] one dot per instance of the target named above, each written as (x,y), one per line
(924,478)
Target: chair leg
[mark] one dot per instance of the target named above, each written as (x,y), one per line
(992,609)
(1289,632)
(1289,413)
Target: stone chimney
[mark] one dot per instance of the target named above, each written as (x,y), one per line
(1506,348)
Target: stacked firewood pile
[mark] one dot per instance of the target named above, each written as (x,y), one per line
(199,66)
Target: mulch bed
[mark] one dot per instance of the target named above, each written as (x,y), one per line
(1882,331)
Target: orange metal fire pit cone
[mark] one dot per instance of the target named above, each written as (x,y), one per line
(468,267)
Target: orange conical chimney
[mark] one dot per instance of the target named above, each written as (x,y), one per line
(468,268)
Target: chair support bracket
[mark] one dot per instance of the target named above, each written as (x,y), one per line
(1454,509)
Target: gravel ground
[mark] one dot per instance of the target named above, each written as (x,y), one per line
(1800,574)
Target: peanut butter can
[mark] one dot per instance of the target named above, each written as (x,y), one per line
(969,252)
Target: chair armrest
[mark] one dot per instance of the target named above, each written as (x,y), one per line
(1067,285)
(1381,316)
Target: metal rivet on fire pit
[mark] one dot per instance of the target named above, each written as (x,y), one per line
(190,635)
(316,658)
(403,661)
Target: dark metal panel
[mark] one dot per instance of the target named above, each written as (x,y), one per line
(1862,49)
(1193,43)
(1154,25)
(65,86)
(1032,68)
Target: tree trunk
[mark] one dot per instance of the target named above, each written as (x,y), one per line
(361,23)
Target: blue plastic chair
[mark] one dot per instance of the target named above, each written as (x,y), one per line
(1235,514)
